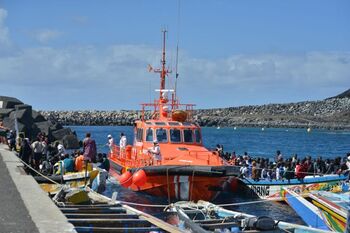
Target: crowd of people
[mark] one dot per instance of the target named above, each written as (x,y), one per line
(280,168)
(52,158)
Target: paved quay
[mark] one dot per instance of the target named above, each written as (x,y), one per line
(24,206)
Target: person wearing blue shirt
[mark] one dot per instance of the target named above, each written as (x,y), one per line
(68,163)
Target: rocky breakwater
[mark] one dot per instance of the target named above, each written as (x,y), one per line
(333,113)
(123,117)
(30,122)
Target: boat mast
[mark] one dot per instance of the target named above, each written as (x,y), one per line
(164,71)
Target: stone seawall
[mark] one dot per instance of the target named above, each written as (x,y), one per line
(331,113)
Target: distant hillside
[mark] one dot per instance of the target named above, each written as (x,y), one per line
(345,94)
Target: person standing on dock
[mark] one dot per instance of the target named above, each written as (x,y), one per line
(38,149)
(3,133)
(89,148)
(25,152)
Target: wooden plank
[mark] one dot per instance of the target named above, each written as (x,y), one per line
(209,221)
(90,206)
(105,216)
(110,222)
(155,221)
(90,210)
(117,229)
(219,225)
(93,208)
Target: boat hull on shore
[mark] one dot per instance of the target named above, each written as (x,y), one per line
(275,189)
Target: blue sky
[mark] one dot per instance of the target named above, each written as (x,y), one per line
(94,54)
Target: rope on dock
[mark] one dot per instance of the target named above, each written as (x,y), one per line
(221,205)
(39,173)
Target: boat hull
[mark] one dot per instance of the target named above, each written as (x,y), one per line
(334,208)
(73,180)
(181,187)
(275,190)
(308,212)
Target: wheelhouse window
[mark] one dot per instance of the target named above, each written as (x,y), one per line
(160,123)
(148,123)
(173,123)
(197,135)
(175,135)
(188,136)
(149,135)
(139,134)
(162,135)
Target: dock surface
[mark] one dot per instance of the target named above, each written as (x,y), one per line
(25,207)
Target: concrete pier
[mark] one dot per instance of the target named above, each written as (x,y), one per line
(25,207)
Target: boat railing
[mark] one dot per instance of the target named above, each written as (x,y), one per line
(209,156)
(127,157)
(171,107)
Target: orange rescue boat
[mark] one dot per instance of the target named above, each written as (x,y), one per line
(186,170)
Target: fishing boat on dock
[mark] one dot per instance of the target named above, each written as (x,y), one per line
(186,170)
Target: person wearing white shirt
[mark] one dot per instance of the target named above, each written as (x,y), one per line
(155,151)
(122,144)
(61,149)
(110,143)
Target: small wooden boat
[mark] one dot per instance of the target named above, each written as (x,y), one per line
(74,180)
(322,209)
(207,217)
(274,189)
(98,213)
(334,208)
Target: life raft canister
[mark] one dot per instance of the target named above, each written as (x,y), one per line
(179,115)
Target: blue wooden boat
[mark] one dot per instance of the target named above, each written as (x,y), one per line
(274,189)
(307,211)
(334,208)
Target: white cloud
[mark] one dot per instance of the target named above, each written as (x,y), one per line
(121,71)
(116,76)
(314,68)
(46,35)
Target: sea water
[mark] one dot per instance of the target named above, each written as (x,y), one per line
(254,141)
